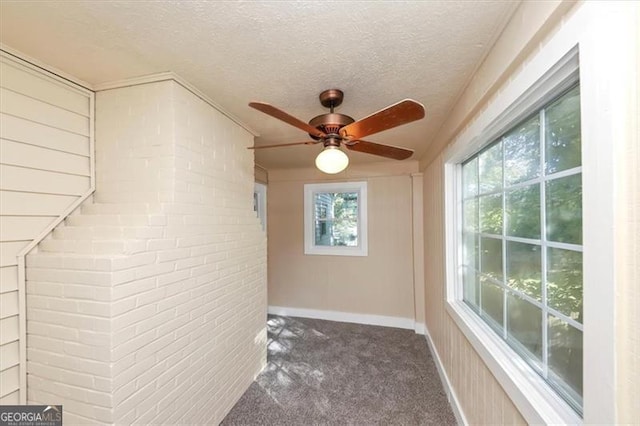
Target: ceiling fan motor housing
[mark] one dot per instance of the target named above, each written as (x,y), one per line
(330,123)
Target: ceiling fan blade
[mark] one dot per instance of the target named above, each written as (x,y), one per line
(289,119)
(381,150)
(284,144)
(395,115)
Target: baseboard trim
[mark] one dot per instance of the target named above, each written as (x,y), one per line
(419,328)
(386,321)
(446,384)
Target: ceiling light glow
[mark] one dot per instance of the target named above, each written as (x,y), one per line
(332,160)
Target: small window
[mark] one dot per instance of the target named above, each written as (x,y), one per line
(335,219)
(260,203)
(521,241)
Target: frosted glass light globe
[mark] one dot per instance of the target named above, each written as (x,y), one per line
(332,160)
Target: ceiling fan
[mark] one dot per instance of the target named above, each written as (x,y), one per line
(333,129)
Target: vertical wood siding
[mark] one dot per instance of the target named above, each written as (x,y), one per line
(45,166)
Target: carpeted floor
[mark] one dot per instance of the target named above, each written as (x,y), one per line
(333,373)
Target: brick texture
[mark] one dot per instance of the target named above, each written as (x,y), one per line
(149,306)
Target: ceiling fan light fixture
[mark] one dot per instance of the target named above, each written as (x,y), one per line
(332,160)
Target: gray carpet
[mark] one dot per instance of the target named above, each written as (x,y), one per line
(334,373)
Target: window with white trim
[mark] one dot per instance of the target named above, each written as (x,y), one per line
(335,218)
(260,203)
(521,241)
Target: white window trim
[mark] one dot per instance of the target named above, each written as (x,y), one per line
(605,37)
(309,223)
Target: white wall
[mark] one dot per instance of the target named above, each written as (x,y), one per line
(150,306)
(628,251)
(45,167)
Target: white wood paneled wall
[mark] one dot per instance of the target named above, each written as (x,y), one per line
(45,167)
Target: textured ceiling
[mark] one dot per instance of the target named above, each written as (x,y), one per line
(283,53)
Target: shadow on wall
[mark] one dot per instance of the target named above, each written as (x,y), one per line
(325,372)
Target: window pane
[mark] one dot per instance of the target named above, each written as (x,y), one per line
(336,220)
(491,257)
(491,214)
(471,287)
(470,208)
(470,250)
(564,281)
(470,255)
(323,203)
(523,212)
(524,324)
(492,300)
(522,152)
(470,178)
(562,133)
(490,167)
(564,209)
(565,357)
(524,268)
(345,205)
(324,233)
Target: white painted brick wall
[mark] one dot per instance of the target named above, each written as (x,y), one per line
(150,306)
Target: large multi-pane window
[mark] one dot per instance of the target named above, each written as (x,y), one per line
(522,241)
